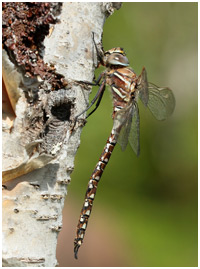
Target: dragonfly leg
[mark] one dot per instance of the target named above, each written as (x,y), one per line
(101,88)
(97,96)
(99,53)
(98,101)
(95,83)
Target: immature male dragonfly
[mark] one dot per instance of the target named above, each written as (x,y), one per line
(125,87)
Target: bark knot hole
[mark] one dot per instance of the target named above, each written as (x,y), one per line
(62,112)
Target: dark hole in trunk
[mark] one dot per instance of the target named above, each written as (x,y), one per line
(62,112)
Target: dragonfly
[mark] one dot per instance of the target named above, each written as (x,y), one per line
(126,88)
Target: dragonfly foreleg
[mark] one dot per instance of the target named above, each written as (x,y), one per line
(97,96)
(99,53)
(99,99)
(95,83)
(99,93)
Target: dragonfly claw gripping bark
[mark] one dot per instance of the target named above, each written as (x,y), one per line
(126,87)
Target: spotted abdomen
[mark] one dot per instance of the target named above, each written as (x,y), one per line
(91,191)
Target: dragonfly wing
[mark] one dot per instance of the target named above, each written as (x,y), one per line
(128,123)
(134,134)
(161,102)
(125,129)
(142,86)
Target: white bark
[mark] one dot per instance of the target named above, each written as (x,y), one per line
(37,182)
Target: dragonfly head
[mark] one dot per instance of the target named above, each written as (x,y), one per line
(115,57)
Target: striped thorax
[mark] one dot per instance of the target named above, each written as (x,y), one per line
(121,78)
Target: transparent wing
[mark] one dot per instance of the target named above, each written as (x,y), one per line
(134,134)
(161,102)
(130,130)
(142,85)
(125,129)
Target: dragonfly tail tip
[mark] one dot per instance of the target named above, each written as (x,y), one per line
(76,247)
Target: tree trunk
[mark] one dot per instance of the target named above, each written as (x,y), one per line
(48,48)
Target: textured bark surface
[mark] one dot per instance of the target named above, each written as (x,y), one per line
(41,77)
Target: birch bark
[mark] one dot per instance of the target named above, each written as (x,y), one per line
(38,147)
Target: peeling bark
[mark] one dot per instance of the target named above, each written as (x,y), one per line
(42,64)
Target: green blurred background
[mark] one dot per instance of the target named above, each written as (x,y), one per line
(145,211)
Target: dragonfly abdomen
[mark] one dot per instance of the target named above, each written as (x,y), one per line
(91,191)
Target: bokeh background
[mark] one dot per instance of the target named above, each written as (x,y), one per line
(145,211)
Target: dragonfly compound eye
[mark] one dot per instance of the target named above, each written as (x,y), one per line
(117,59)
